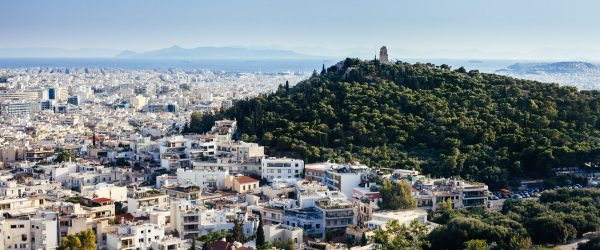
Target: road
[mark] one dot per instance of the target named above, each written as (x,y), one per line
(497,204)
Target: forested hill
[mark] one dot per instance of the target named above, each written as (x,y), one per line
(442,121)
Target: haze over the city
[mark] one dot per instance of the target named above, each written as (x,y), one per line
(512,29)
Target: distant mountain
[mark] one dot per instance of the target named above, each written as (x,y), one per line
(55,52)
(551,68)
(176,52)
(582,75)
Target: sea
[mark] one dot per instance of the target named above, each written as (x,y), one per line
(227,65)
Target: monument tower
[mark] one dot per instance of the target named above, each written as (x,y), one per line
(383,56)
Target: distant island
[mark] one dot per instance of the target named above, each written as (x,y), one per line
(583,75)
(551,68)
(177,52)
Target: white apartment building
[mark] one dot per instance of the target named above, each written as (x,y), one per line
(404,217)
(44,230)
(134,236)
(240,151)
(105,190)
(16,233)
(281,168)
(205,178)
(284,233)
(193,220)
(142,201)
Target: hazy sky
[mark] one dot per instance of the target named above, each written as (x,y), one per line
(470,28)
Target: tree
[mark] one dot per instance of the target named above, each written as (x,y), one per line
(71,242)
(323,71)
(285,245)
(65,155)
(287,86)
(209,238)
(549,229)
(260,234)
(397,196)
(238,232)
(397,236)
(363,240)
(476,245)
(84,240)
(193,246)
(122,162)
(446,205)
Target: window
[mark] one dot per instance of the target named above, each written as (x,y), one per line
(296,171)
(290,171)
(13,226)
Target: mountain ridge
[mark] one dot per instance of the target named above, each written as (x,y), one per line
(177,52)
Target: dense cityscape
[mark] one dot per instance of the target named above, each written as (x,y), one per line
(299,125)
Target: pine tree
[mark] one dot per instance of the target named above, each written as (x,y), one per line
(287,86)
(314,74)
(323,71)
(238,233)
(193,247)
(363,240)
(260,234)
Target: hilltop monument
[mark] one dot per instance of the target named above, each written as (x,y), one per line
(383,56)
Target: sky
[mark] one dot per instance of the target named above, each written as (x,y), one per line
(530,29)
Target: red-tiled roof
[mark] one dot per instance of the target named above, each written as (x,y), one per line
(245,179)
(100,200)
(220,245)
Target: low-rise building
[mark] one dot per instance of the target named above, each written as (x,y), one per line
(134,236)
(284,233)
(281,168)
(241,184)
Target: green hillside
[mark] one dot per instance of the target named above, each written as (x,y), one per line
(444,122)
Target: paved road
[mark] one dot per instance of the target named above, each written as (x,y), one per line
(572,245)
(497,204)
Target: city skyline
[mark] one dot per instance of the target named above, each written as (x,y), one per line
(543,30)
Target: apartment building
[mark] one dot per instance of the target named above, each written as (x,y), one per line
(284,233)
(431,193)
(281,168)
(208,179)
(141,201)
(310,219)
(404,217)
(135,236)
(338,212)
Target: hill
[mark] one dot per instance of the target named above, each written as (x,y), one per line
(176,52)
(444,122)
